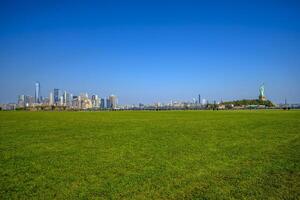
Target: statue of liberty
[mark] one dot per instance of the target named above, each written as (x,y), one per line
(262,92)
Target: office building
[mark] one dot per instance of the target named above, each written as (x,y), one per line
(56,96)
(67,99)
(21,100)
(61,100)
(113,101)
(51,99)
(76,102)
(108,103)
(95,101)
(102,103)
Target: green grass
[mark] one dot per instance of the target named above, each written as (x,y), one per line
(150,155)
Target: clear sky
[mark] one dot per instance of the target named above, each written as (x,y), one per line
(150,51)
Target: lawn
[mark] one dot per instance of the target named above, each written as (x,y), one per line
(150,155)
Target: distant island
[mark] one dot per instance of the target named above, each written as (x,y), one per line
(249,102)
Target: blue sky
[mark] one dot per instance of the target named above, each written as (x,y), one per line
(149,51)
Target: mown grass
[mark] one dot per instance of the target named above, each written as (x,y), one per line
(150,155)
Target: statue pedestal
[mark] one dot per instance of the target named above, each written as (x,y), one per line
(262,98)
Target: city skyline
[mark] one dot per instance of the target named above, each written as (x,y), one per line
(64,100)
(62,97)
(151,51)
(57,95)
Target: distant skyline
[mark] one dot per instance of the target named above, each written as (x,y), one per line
(151,51)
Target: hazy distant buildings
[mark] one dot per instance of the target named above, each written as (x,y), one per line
(29,100)
(85,102)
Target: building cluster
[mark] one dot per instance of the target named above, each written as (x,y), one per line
(172,105)
(66,100)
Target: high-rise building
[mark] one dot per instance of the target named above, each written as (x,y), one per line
(102,103)
(113,101)
(51,99)
(21,100)
(108,103)
(66,99)
(95,101)
(76,102)
(199,99)
(37,92)
(71,100)
(61,100)
(56,96)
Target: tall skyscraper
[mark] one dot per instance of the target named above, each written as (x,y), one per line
(56,96)
(199,99)
(37,92)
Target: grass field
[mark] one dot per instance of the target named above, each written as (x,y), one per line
(150,155)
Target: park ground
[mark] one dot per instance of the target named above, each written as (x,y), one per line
(150,155)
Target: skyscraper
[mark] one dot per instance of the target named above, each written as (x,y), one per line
(51,99)
(37,92)
(56,96)
(21,100)
(199,99)
(66,99)
(113,101)
(95,101)
(102,103)
(108,103)
(61,100)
